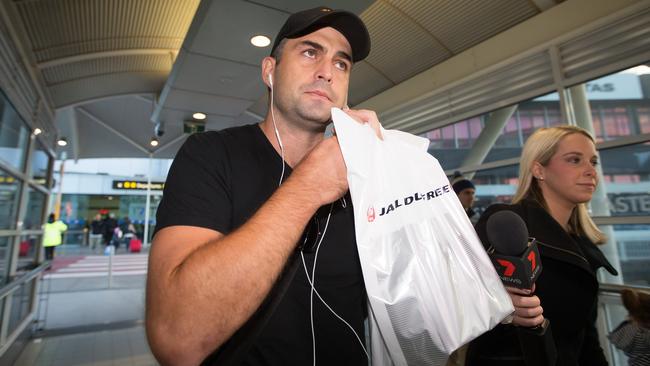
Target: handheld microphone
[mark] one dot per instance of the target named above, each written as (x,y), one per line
(513,254)
(516,259)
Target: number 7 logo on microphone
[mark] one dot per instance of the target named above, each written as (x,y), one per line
(509,267)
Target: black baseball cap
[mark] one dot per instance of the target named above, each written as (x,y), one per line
(308,21)
(460,183)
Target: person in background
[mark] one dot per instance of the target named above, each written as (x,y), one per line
(96,231)
(466,192)
(109,225)
(557,177)
(632,336)
(52,235)
(128,232)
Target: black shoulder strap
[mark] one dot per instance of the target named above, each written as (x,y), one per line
(232,353)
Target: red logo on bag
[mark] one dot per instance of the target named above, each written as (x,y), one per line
(509,267)
(371,214)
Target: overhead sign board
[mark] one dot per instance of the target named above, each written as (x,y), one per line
(137,185)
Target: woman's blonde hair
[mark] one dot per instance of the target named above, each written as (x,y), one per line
(540,147)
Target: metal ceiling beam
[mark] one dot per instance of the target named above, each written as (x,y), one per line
(170,143)
(103,98)
(145,99)
(254,115)
(151,101)
(115,53)
(113,130)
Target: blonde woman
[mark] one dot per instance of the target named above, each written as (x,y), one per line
(557,177)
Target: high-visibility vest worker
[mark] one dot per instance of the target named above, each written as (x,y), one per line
(52,234)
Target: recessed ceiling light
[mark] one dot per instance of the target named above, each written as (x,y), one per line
(62,141)
(199,116)
(154,142)
(37,131)
(260,41)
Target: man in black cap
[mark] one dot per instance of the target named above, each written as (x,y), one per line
(254,259)
(466,192)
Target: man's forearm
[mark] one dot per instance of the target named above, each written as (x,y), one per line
(218,286)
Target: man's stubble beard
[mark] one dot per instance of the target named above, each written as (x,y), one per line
(306,115)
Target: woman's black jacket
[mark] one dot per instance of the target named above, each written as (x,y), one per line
(567,288)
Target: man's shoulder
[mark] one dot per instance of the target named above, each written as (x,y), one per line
(210,137)
(216,143)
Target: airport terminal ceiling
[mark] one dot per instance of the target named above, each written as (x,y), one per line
(106,67)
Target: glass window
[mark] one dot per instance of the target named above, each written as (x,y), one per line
(78,210)
(452,144)
(33,219)
(74,210)
(529,116)
(74,236)
(14,136)
(40,164)
(5,256)
(9,197)
(20,301)
(626,181)
(643,113)
(611,122)
(27,250)
(628,246)
(494,186)
(619,103)
(616,314)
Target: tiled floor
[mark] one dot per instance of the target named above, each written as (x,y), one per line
(88,322)
(73,309)
(126,347)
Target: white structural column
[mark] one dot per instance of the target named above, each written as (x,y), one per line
(147,204)
(599,202)
(489,135)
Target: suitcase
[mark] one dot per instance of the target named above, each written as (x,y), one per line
(135,245)
(24,248)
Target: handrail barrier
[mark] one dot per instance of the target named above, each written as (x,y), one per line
(13,285)
(610,288)
(8,336)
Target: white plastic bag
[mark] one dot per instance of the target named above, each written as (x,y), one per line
(431,286)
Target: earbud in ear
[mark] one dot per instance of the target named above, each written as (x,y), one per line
(270,80)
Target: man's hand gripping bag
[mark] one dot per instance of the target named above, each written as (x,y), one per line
(431,286)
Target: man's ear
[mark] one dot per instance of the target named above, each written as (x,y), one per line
(268,68)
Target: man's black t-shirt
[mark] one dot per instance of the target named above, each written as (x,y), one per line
(218,180)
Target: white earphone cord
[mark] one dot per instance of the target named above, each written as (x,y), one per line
(277,133)
(312,279)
